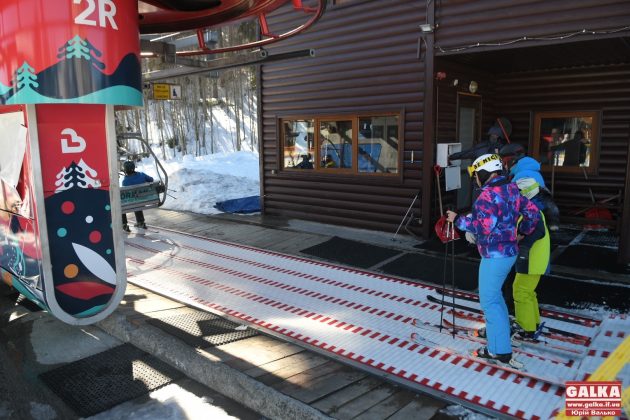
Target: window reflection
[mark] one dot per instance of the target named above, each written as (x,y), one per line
(567,140)
(298,143)
(378,144)
(335,139)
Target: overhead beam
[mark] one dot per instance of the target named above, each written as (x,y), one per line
(236,60)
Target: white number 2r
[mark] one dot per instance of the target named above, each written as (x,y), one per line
(106,13)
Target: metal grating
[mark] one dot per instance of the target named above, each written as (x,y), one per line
(606,238)
(202,329)
(106,379)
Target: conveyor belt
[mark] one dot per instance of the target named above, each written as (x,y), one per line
(363,318)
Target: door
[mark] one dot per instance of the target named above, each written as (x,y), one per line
(468,134)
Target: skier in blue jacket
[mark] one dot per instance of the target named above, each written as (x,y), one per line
(522,166)
(134,178)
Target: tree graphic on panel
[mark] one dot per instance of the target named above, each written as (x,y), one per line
(76,176)
(26,77)
(81,49)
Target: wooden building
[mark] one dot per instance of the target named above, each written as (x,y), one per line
(349,136)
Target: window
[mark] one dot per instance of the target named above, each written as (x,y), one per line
(349,144)
(335,141)
(298,144)
(566,141)
(13,146)
(378,144)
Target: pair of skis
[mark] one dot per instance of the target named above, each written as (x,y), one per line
(517,368)
(549,332)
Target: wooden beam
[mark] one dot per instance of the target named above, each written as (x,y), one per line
(428,125)
(235,60)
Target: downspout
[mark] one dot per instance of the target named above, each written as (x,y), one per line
(428,147)
(261,160)
(624,235)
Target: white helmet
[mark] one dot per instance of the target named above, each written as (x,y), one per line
(528,187)
(487,162)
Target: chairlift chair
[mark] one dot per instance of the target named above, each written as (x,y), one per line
(149,194)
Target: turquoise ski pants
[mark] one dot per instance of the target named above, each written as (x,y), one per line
(492,274)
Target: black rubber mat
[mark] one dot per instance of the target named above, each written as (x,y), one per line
(353,253)
(202,329)
(462,247)
(592,258)
(106,379)
(430,269)
(569,293)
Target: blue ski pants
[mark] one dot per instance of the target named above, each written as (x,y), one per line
(492,275)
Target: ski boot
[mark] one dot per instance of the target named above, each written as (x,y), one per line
(479,333)
(519,334)
(126,228)
(505,360)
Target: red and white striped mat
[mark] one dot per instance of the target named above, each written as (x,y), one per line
(364,318)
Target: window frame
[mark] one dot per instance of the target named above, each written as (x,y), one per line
(354,118)
(535,144)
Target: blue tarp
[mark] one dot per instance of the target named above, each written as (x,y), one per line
(240,205)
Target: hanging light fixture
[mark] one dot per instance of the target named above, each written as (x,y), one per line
(473,86)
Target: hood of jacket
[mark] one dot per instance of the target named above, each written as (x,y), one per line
(524,164)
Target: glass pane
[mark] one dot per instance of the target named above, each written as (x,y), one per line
(13,146)
(378,144)
(566,141)
(298,143)
(335,139)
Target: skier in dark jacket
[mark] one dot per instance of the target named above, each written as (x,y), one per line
(134,178)
(491,146)
(493,221)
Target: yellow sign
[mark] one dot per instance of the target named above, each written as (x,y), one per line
(161,91)
(166,91)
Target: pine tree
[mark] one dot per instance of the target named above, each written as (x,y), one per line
(26,77)
(81,49)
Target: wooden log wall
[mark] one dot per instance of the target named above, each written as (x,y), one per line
(464,23)
(366,61)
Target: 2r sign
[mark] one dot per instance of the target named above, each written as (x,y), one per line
(105,13)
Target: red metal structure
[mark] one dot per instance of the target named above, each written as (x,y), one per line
(168,15)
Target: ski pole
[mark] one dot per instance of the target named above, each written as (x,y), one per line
(453,271)
(444,277)
(405,216)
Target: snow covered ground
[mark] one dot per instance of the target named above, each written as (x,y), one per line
(196,184)
(171,402)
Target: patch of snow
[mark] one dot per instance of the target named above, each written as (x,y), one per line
(463,413)
(196,184)
(42,411)
(171,402)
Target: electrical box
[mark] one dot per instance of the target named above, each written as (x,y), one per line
(444,150)
(453,178)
